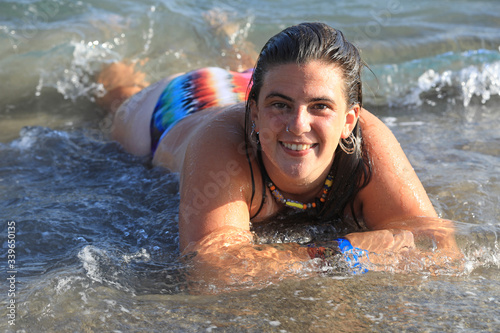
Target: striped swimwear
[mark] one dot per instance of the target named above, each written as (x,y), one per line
(194,91)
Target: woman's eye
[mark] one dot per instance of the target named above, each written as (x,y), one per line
(320,107)
(280,105)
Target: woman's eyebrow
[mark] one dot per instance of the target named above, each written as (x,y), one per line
(288,98)
(276,94)
(322,99)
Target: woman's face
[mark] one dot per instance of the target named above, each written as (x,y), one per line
(309,101)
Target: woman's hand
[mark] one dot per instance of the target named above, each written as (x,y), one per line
(380,241)
(386,248)
(395,250)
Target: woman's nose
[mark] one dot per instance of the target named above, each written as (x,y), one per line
(299,121)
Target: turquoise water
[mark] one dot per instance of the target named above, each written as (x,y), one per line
(96,228)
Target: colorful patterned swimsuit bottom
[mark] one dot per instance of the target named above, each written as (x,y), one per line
(194,91)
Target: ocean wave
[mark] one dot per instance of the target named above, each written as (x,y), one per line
(460,78)
(473,81)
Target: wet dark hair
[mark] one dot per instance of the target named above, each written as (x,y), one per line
(301,44)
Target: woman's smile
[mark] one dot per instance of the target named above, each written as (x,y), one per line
(298,149)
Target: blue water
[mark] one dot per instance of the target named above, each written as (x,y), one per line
(96,228)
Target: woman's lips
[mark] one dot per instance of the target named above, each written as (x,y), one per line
(297,146)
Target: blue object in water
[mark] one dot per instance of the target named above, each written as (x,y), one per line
(352,255)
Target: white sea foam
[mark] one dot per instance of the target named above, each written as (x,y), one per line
(482,81)
(89,256)
(456,77)
(66,283)
(29,136)
(141,255)
(77,79)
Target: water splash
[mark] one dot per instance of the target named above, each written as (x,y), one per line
(77,79)
(481,246)
(111,267)
(91,258)
(148,37)
(455,77)
(482,81)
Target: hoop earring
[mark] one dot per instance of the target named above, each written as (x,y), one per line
(348,145)
(254,134)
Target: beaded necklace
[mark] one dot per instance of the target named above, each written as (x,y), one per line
(297,204)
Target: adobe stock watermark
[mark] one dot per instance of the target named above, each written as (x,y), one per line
(380,18)
(11,273)
(36,14)
(218,182)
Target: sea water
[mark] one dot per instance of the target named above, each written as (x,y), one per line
(92,231)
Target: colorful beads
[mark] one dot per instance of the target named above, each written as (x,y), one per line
(296,204)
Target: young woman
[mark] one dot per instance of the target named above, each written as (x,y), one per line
(298,140)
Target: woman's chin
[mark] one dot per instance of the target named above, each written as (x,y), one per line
(299,175)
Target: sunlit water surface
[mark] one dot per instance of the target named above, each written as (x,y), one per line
(96,228)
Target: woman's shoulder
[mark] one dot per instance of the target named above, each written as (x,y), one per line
(369,122)
(394,191)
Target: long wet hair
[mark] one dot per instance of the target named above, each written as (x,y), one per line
(301,44)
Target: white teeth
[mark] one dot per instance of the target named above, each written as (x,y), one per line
(294,146)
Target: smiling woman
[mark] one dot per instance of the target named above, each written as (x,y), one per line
(301,115)
(302,142)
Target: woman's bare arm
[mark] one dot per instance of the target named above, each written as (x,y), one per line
(214,221)
(395,198)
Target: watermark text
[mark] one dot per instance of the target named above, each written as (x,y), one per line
(11,273)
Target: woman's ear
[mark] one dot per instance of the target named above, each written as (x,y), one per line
(351,119)
(254,113)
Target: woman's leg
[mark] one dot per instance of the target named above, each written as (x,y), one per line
(238,54)
(121,81)
(130,100)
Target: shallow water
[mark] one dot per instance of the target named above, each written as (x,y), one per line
(96,228)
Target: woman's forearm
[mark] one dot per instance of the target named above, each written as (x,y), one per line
(228,260)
